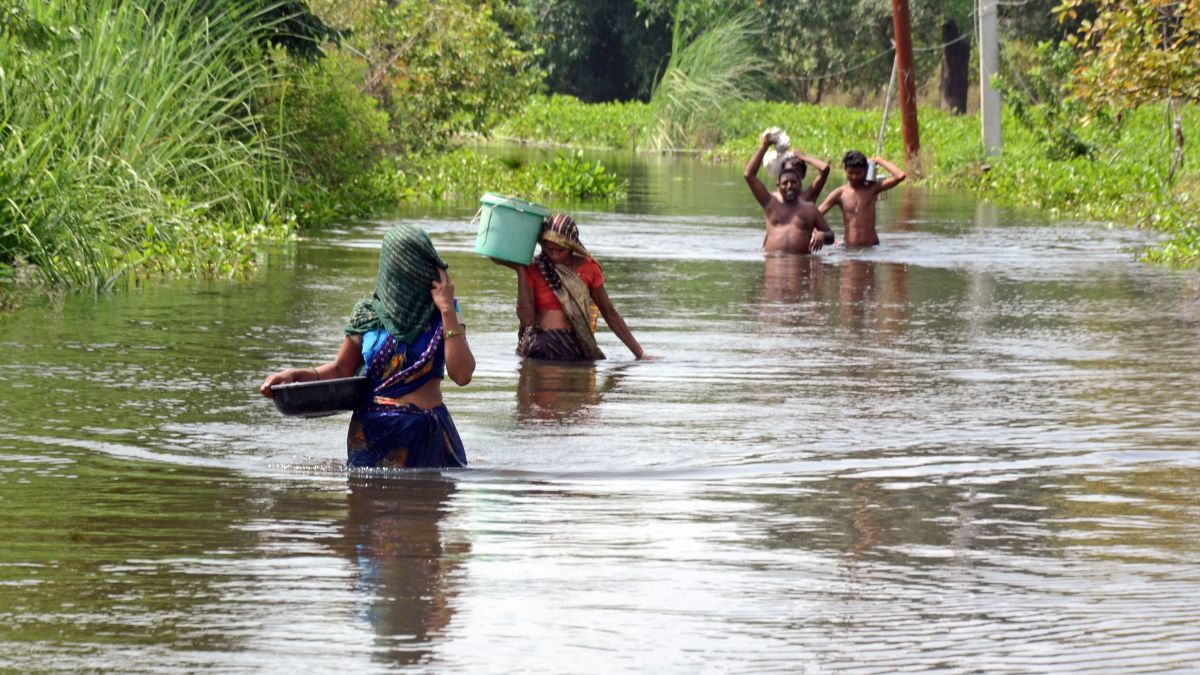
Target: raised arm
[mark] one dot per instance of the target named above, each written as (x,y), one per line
(818,184)
(614,320)
(460,362)
(895,175)
(834,197)
(526,312)
(761,193)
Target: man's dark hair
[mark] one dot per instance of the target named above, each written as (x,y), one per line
(795,165)
(854,159)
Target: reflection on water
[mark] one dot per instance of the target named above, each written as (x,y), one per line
(562,392)
(792,279)
(405,572)
(956,451)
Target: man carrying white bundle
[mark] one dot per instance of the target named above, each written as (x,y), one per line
(782,155)
(794,225)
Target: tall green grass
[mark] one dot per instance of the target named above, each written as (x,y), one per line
(705,74)
(129,142)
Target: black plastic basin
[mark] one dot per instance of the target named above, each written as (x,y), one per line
(320,397)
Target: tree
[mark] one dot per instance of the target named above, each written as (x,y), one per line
(438,67)
(955,75)
(1138,52)
(946,27)
(600,50)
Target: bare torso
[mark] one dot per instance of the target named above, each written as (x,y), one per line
(553,319)
(789,226)
(858,213)
(425,397)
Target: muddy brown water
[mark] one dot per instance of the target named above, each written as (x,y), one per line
(972,449)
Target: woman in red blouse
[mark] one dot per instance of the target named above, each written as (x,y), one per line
(559,296)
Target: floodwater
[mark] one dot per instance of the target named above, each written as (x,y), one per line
(972,449)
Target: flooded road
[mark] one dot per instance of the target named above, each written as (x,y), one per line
(972,449)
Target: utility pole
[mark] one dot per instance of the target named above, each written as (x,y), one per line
(902,25)
(989,65)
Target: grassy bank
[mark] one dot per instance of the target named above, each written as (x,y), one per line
(1122,181)
(127,144)
(146,138)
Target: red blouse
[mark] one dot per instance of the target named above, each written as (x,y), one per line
(543,297)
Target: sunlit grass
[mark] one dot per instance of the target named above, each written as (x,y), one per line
(706,73)
(129,143)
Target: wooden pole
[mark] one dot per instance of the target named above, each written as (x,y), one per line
(902,24)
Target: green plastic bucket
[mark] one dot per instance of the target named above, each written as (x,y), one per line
(509,227)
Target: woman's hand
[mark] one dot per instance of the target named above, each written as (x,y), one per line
(286,377)
(443,292)
(507,263)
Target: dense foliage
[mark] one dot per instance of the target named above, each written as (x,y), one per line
(128,141)
(618,49)
(436,67)
(384,105)
(599,50)
(151,137)
(1149,48)
(1111,182)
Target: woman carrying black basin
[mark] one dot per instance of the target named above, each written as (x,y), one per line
(406,337)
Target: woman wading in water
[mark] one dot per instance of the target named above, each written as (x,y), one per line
(559,296)
(407,337)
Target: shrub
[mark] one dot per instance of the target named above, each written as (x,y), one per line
(127,142)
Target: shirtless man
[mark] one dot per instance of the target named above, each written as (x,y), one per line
(857,198)
(794,225)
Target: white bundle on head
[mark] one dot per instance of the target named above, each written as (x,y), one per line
(775,161)
(776,156)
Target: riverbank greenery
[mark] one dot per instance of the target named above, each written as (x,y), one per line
(462,175)
(148,137)
(143,137)
(126,145)
(1122,178)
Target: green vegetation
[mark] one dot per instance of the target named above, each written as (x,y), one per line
(1121,179)
(150,137)
(565,120)
(125,145)
(707,72)
(373,124)
(464,174)
(146,137)
(606,50)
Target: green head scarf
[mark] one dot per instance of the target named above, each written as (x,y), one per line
(408,266)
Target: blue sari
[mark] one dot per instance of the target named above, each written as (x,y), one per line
(385,433)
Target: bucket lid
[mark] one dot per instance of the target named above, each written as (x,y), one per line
(495,199)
